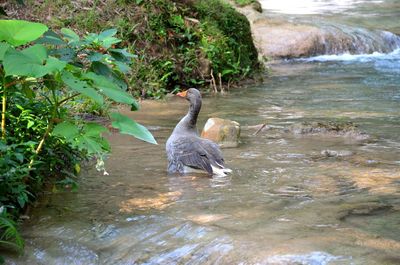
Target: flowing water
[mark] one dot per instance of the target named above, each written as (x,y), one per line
(286,202)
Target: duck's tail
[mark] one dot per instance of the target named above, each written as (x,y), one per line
(220,171)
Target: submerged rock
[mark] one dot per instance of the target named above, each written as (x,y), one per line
(224,132)
(330,128)
(334,153)
(364,209)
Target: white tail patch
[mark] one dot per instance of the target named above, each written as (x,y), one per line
(220,171)
(216,170)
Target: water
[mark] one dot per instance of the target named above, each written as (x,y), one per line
(369,14)
(337,26)
(285,202)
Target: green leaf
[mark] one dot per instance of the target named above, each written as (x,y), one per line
(93,129)
(50,37)
(3,48)
(88,138)
(20,32)
(101,69)
(121,55)
(92,140)
(128,126)
(107,33)
(123,67)
(108,42)
(93,145)
(91,37)
(111,90)
(30,124)
(32,62)
(95,56)
(104,70)
(81,86)
(22,199)
(66,129)
(70,35)
(64,54)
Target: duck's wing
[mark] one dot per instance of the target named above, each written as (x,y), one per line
(196,153)
(213,151)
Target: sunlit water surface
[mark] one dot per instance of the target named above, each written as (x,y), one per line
(370,14)
(284,203)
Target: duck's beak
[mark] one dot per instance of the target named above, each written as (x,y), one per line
(182,94)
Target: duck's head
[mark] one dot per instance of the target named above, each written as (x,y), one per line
(192,94)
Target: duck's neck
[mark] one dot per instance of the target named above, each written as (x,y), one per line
(188,123)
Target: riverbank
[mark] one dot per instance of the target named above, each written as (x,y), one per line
(177,44)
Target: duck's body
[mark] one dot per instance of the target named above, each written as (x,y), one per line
(186,151)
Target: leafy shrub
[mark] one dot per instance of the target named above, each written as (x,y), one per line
(41,140)
(177,43)
(228,34)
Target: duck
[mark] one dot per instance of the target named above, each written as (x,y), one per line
(186,151)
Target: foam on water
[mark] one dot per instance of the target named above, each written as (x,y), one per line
(395,55)
(313,258)
(305,7)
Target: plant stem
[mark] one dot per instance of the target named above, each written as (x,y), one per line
(68,98)
(3,115)
(48,129)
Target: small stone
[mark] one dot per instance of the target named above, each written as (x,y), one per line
(226,133)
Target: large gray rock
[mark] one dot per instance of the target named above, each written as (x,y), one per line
(226,133)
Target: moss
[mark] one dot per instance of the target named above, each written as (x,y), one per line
(177,43)
(244,2)
(232,35)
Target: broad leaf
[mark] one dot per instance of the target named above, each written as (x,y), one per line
(86,138)
(107,43)
(123,67)
(20,32)
(107,33)
(91,139)
(94,129)
(66,129)
(111,90)
(70,35)
(101,69)
(95,57)
(121,55)
(93,145)
(64,54)
(50,37)
(123,52)
(3,48)
(128,126)
(32,62)
(104,70)
(81,86)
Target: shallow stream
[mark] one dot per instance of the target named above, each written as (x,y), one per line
(286,202)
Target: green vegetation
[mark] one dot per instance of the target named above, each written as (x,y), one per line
(244,2)
(178,44)
(43,140)
(49,80)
